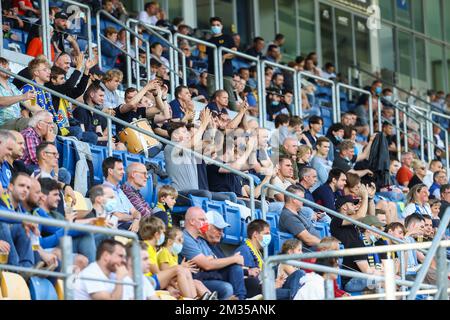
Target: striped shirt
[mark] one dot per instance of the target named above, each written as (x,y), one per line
(136,199)
(32,140)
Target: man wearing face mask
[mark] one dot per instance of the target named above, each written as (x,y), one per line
(196,249)
(220,39)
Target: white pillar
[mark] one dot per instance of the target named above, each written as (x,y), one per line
(190,12)
(374,25)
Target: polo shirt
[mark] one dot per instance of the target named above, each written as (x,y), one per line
(295,223)
(89,119)
(342,163)
(215,108)
(194,247)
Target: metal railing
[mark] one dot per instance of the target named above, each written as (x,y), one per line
(110,118)
(301,74)
(446,141)
(173,57)
(261,83)
(66,248)
(128,48)
(352,88)
(206,44)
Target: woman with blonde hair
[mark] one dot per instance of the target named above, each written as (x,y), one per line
(304,155)
(420,171)
(417,201)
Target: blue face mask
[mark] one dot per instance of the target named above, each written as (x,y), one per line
(216,30)
(176,248)
(267,238)
(373,238)
(338,138)
(378,90)
(275,103)
(161,239)
(110,205)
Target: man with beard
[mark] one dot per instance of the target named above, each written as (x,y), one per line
(110,264)
(60,35)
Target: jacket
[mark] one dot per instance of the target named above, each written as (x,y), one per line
(379,160)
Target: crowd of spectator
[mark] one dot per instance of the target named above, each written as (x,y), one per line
(343,169)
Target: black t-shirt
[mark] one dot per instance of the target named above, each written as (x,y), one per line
(223,182)
(89,120)
(415,180)
(202,176)
(58,39)
(226,41)
(349,236)
(130,116)
(343,164)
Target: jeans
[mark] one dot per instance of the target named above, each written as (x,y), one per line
(224,289)
(20,253)
(235,276)
(358,284)
(290,286)
(99,238)
(89,137)
(85,245)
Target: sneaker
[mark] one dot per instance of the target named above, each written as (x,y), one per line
(257,297)
(213,296)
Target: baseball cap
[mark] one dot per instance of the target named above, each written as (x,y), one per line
(61,15)
(343,200)
(372,221)
(216,219)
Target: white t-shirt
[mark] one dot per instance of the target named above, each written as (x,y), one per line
(144,17)
(84,288)
(278,183)
(128,291)
(312,287)
(413,208)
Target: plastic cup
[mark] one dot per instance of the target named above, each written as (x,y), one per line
(34,241)
(100,221)
(4,257)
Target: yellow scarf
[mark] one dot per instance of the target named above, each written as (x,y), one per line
(255,252)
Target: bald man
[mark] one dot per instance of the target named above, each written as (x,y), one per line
(14,162)
(137,180)
(289,149)
(215,272)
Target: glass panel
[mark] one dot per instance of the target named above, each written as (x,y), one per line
(404,46)
(362,41)
(421,67)
(387,53)
(307,26)
(326,33)
(417,7)
(175,9)
(386,10)
(448,70)
(433,18)
(267,20)
(404,13)
(245,21)
(344,40)
(203,14)
(447,22)
(288,27)
(224,9)
(435,65)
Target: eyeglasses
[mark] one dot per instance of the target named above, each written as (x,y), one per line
(55,154)
(142,172)
(48,123)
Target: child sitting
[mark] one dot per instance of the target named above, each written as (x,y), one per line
(168,258)
(167,197)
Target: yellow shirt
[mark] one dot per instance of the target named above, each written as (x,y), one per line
(152,256)
(165,256)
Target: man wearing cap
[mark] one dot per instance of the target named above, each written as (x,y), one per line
(291,221)
(214,272)
(60,34)
(350,237)
(213,236)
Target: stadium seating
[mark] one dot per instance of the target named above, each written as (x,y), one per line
(99,154)
(14,287)
(42,289)
(232,234)
(198,201)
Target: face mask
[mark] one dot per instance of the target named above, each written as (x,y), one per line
(373,238)
(176,248)
(378,90)
(110,205)
(275,103)
(338,138)
(388,98)
(204,228)
(216,29)
(161,239)
(267,238)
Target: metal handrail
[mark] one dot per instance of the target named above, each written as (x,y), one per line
(352,88)
(128,54)
(207,44)
(145,132)
(297,91)
(46,41)
(174,77)
(446,135)
(336,116)
(89,22)
(67,249)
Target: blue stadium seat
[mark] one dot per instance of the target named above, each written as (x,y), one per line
(278,238)
(323,228)
(130,157)
(232,234)
(67,155)
(42,289)
(216,206)
(243,230)
(272,220)
(198,201)
(98,155)
(148,192)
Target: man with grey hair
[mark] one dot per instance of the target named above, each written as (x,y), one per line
(137,180)
(6,148)
(40,128)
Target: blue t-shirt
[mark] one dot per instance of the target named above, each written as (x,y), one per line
(250,260)
(193,247)
(177,113)
(325,196)
(5,174)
